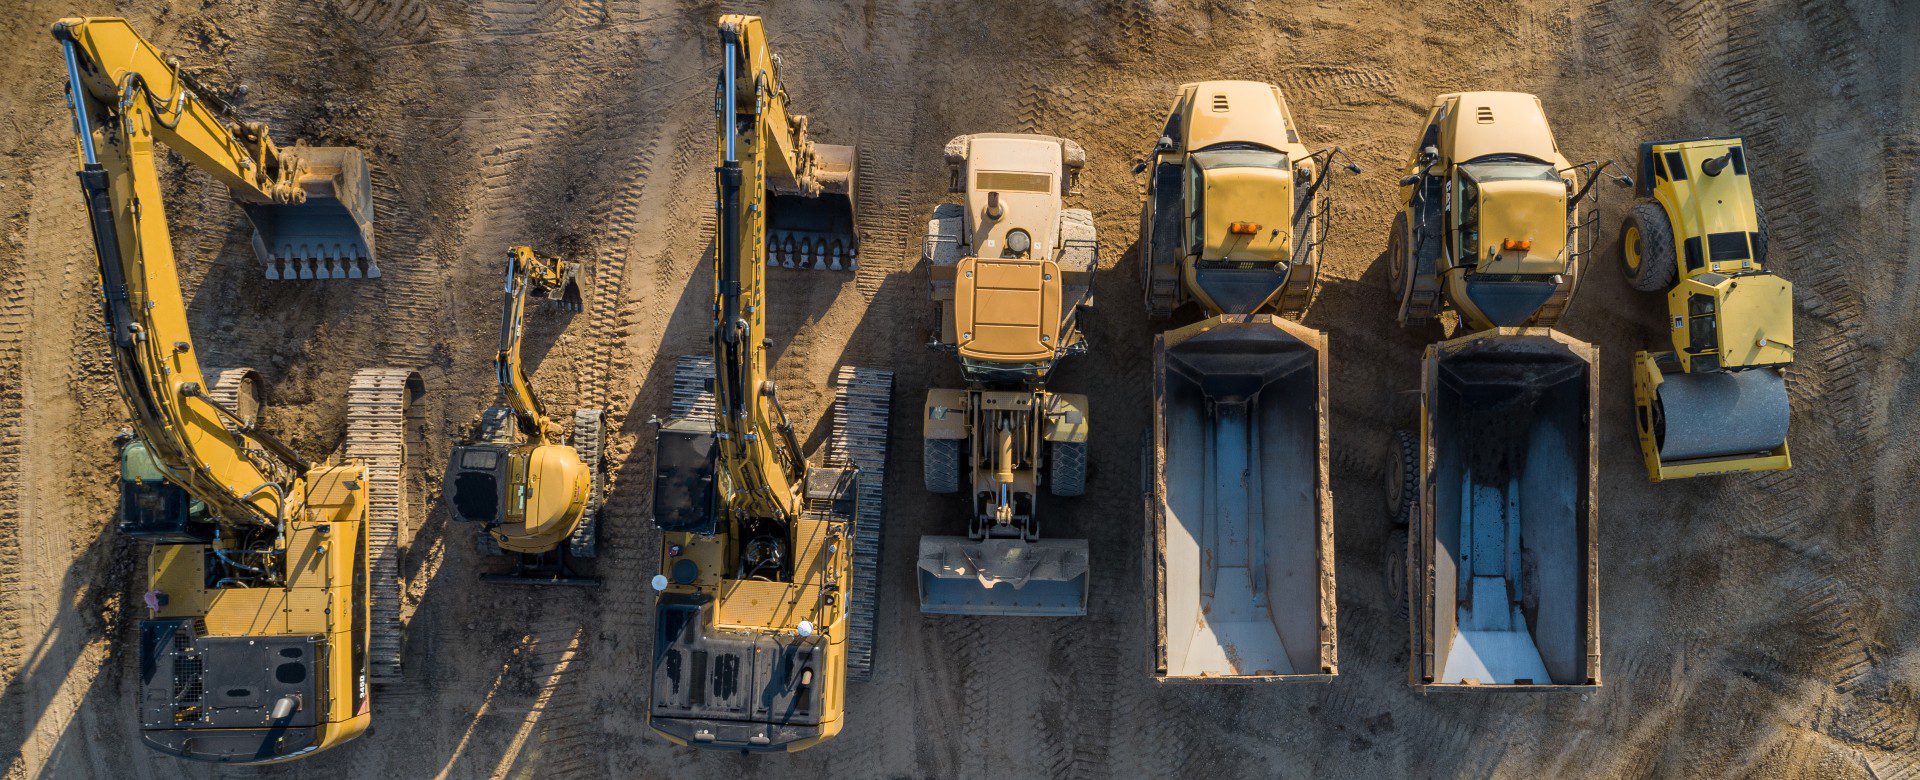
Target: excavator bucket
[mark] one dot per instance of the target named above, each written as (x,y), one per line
(1044,578)
(817,232)
(1239,512)
(330,235)
(565,295)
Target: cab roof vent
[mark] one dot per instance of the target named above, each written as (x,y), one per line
(1483,115)
(1220,103)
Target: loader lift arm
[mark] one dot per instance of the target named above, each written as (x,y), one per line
(228,508)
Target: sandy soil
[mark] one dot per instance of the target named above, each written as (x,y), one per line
(1755,625)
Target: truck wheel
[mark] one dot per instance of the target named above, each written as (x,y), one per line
(1759,234)
(1067,471)
(1395,563)
(1646,248)
(1397,256)
(942,464)
(1403,469)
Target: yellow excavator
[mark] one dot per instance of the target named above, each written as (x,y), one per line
(265,618)
(768,557)
(535,496)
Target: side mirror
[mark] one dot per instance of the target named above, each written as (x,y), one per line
(1139,167)
(1410,180)
(1353,168)
(1164,144)
(1429,154)
(1623,180)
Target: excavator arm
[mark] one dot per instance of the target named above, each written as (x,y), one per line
(766,158)
(125,96)
(556,281)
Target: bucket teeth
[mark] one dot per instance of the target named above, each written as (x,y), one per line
(307,262)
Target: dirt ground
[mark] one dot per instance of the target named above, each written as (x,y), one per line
(1752,626)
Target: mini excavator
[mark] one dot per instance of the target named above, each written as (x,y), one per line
(266,620)
(535,496)
(768,557)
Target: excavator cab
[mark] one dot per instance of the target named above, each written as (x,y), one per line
(329,234)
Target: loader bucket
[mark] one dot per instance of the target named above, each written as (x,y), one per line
(817,232)
(1240,514)
(330,235)
(1045,578)
(1502,550)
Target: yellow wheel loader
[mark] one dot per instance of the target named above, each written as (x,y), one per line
(1716,403)
(1498,560)
(1011,273)
(535,494)
(1240,515)
(769,558)
(272,592)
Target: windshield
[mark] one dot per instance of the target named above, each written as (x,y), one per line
(1508,168)
(1239,156)
(989,371)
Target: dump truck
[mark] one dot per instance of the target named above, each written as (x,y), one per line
(1493,502)
(1011,272)
(1239,513)
(1502,557)
(1716,402)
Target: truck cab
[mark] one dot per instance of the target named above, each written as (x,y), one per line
(1488,225)
(1224,223)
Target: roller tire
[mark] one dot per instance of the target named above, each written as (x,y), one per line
(941,464)
(1067,469)
(1657,265)
(1760,234)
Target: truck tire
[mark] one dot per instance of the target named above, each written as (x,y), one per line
(1403,473)
(1646,248)
(941,468)
(1394,565)
(1397,256)
(1067,469)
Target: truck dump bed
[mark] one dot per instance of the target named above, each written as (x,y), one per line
(1504,572)
(1239,514)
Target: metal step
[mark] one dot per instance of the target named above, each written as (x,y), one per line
(693,388)
(862,404)
(376,436)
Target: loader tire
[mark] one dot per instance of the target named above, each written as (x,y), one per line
(941,467)
(1646,249)
(1068,469)
(1403,470)
(1394,571)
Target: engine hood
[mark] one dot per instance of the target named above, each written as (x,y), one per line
(1257,196)
(1523,210)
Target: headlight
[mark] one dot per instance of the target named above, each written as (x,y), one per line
(1018,242)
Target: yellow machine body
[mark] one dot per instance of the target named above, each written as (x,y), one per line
(1232,221)
(758,614)
(1488,225)
(1729,319)
(1011,272)
(258,643)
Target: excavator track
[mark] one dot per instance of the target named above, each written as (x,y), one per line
(377,437)
(237,390)
(862,403)
(587,441)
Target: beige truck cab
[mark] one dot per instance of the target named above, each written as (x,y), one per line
(1233,219)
